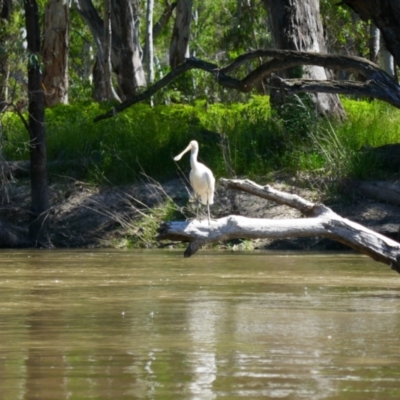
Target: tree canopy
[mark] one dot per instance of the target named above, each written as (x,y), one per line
(219,32)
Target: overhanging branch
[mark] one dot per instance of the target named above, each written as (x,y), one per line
(378,83)
(148,93)
(370,88)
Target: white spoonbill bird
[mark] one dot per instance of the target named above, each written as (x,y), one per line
(201,177)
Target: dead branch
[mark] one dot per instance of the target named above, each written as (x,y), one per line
(382,191)
(378,83)
(148,93)
(321,222)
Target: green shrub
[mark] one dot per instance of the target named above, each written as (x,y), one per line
(235,139)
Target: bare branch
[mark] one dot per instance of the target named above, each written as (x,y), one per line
(379,85)
(369,88)
(148,93)
(292,58)
(163,21)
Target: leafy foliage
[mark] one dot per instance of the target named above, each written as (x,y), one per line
(235,139)
(345,31)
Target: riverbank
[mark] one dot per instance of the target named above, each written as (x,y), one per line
(87,216)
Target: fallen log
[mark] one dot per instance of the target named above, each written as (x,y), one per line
(320,221)
(382,191)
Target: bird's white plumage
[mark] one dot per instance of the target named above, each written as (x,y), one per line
(201,177)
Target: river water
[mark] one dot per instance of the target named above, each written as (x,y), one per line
(220,325)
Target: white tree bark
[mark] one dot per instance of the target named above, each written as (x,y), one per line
(374,43)
(321,221)
(386,59)
(149,54)
(109,91)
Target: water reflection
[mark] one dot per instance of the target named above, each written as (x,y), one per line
(152,325)
(203,319)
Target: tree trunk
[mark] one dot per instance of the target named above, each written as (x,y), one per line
(148,55)
(5,14)
(161,23)
(125,24)
(55,52)
(180,35)
(385,14)
(164,19)
(374,43)
(296,25)
(90,15)
(38,228)
(126,54)
(109,92)
(321,222)
(386,60)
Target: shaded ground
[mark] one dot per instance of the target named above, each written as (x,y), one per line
(88,216)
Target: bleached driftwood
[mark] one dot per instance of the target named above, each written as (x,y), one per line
(320,221)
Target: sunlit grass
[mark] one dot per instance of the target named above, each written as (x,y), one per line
(244,139)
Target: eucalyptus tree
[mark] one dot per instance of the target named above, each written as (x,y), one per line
(106,82)
(40,205)
(125,22)
(347,33)
(149,55)
(296,25)
(181,33)
(126,50)
(385,14)
(55,52)
(6,7)
(375,84)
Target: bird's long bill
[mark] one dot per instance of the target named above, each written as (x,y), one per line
(179,156)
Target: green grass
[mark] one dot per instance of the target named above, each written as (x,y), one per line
(235,139)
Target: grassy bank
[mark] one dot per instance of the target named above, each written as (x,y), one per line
(236,139)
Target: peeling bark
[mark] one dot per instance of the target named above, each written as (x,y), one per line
(55,52)
(321,221)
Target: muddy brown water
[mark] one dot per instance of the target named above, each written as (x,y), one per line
(220,325)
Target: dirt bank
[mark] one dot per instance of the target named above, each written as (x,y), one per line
(83,215)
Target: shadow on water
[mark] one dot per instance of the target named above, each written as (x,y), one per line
(153,325)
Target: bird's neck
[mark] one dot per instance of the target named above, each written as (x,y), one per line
(193,158)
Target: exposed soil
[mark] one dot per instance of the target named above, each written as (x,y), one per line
(88,216)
